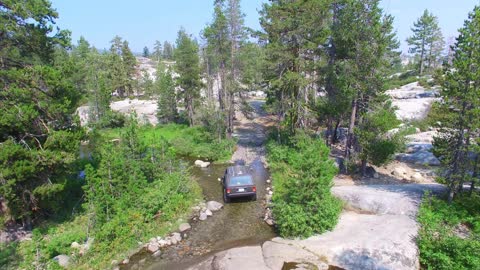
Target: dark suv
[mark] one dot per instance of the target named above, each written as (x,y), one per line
(238,182)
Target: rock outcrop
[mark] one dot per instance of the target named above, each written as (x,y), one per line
(413,101)
(378,234)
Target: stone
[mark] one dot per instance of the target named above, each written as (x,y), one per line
(214,206)
(126,261)
(419,153)
(399,172)
(163,243)
(157,254)
(142,261)
(201,164)
(269,221)
(276,254)
(417,177)
(269,181)
(75,245)
(177,236)
(270,193)
(152,247)
(208,212)
(240,258)
(376,175)
(62,260)
(184,227)
(114,262)
(173,240)
(203,216)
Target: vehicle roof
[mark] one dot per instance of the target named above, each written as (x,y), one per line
(238,170)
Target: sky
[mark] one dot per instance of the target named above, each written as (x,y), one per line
(141,22)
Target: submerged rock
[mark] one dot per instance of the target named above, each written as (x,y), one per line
(157,254)
(214,206)
(202,164)
(203,216)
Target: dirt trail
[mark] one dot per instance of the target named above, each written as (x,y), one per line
(251,135)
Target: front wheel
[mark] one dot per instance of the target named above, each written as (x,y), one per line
(226,199)
(254,197)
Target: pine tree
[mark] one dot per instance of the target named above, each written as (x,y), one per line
(38,139)
(426,32)
(146,52)
(122,64)
(146,84)
(158,50)
(188,68)
(363,40)
(294,32)
(461,97)
(129,62)
(167,99)
(218,54)
(168,50)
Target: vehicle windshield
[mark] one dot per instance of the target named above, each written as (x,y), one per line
(241,180)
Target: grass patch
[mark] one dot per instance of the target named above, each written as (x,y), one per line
(194,142)
(440,247)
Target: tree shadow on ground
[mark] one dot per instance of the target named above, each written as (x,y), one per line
(372,260)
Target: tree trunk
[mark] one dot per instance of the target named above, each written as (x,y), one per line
(329,133)
(335,131)
(364,167)
(353,117)
(231,112)
(189,103)
(422,55)
(474,175)
(457,158)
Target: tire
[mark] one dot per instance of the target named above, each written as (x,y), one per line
(226,199)
(254,197)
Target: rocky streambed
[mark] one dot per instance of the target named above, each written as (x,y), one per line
(237,224)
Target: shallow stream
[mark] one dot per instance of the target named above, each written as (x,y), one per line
(239,223)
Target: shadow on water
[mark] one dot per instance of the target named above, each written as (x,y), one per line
(239,223)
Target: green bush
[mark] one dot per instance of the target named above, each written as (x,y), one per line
(302,174)
(440,247)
